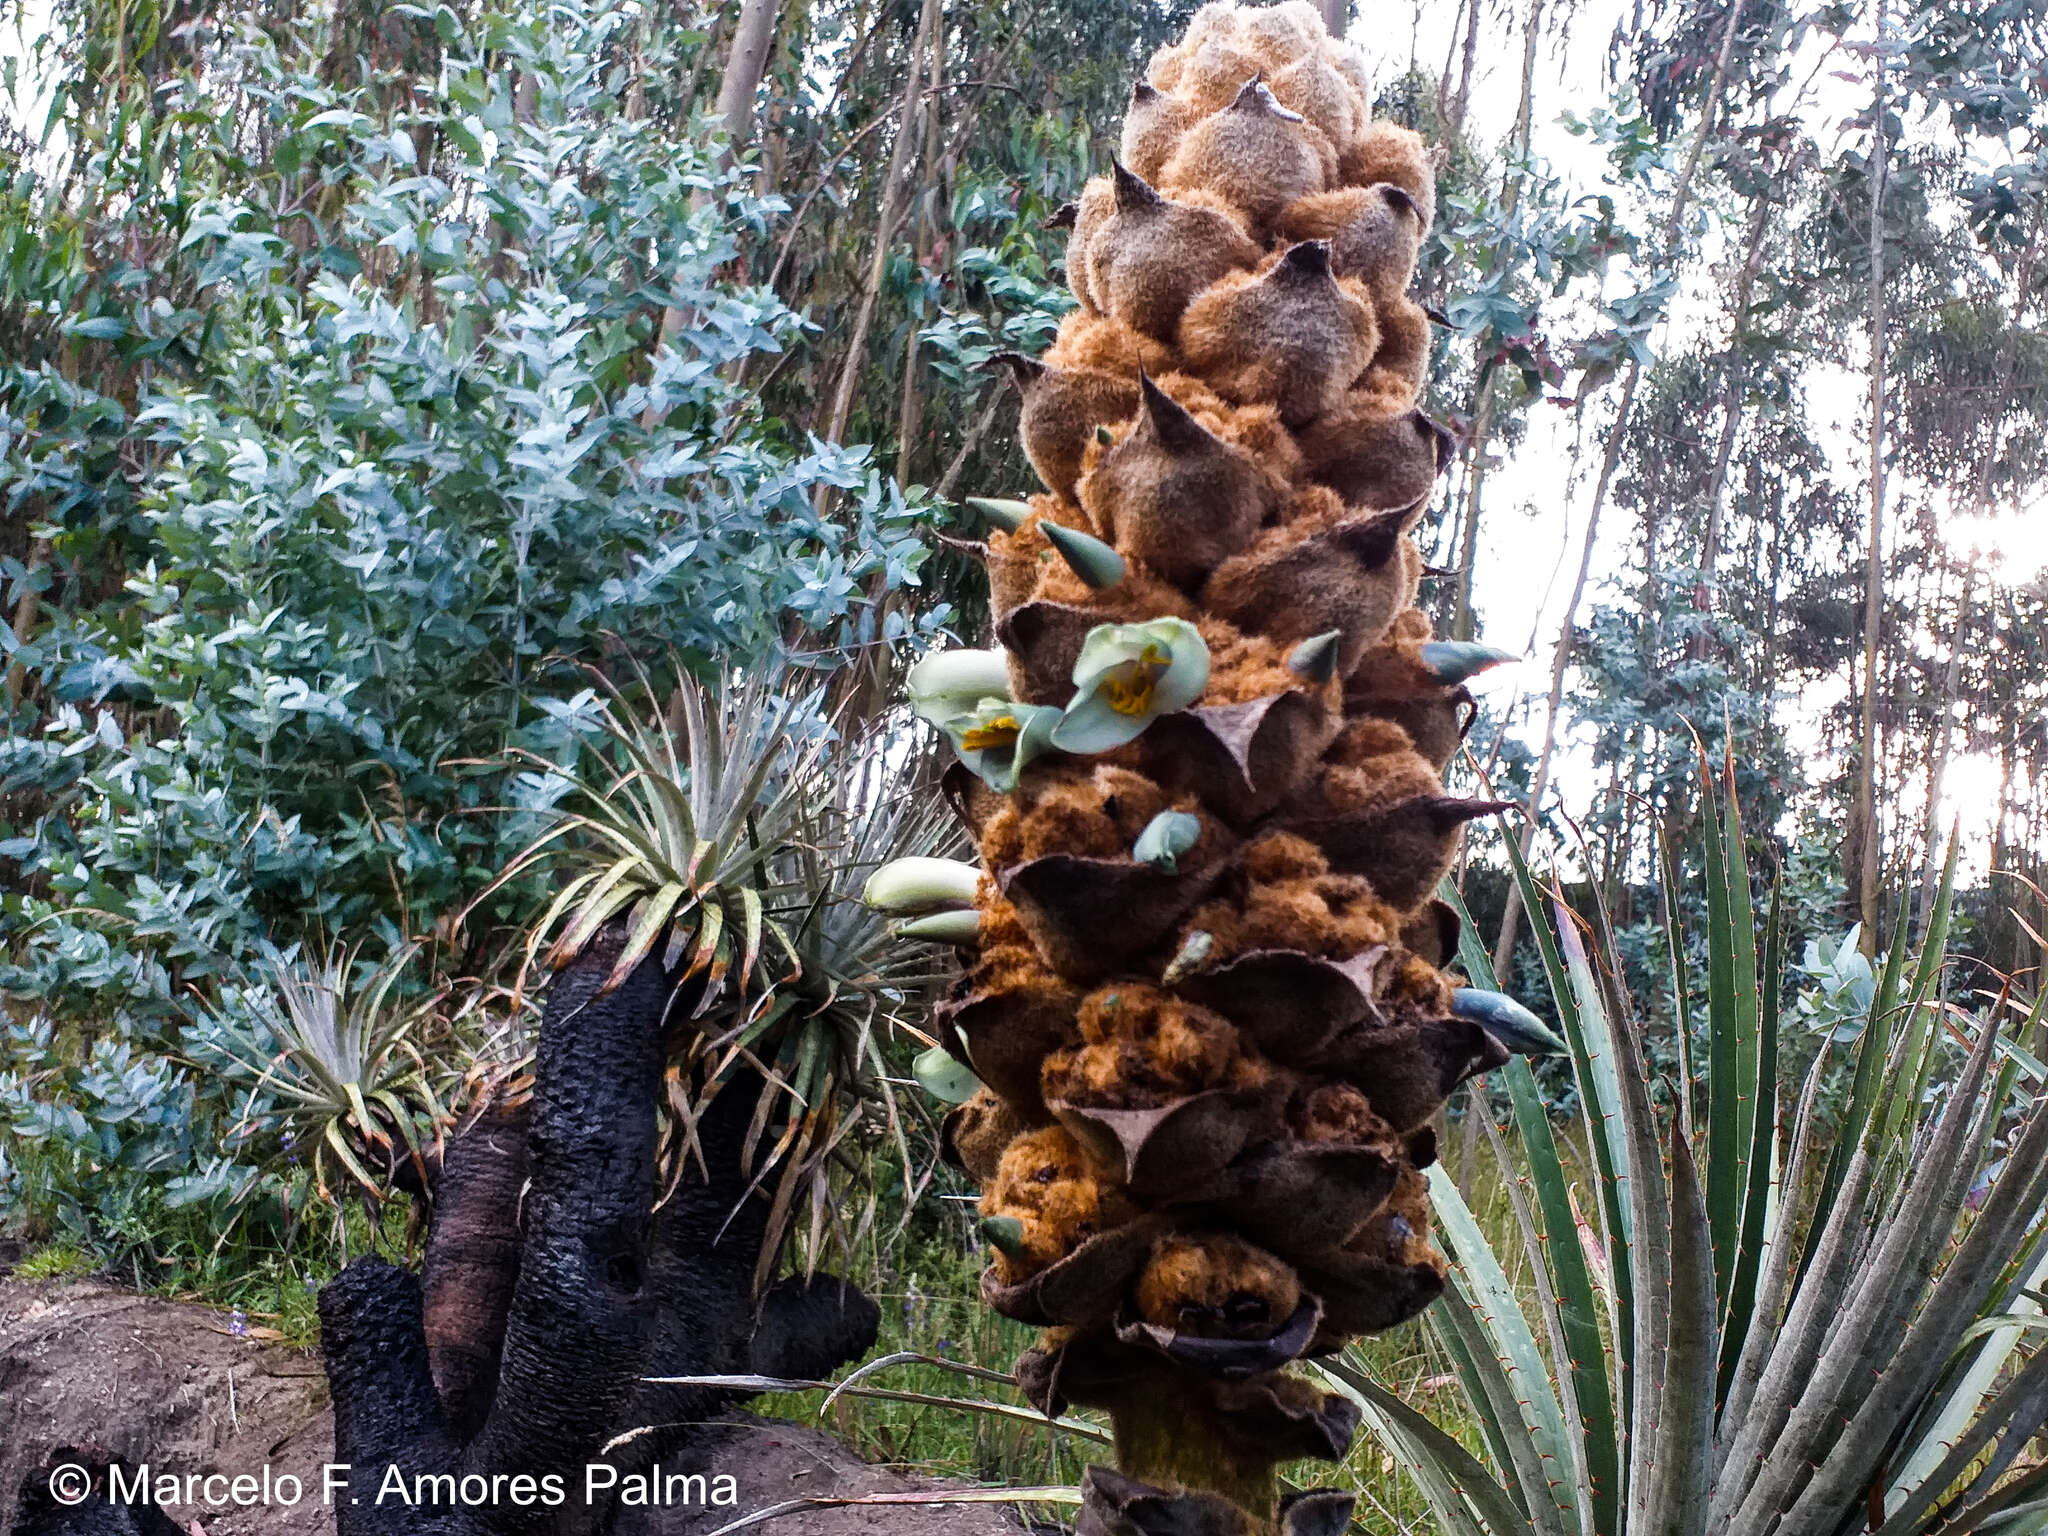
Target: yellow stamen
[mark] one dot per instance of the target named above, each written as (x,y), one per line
(1129,687)
(999,732)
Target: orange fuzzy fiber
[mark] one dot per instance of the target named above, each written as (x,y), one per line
(1143,1047)
(1048,1185)
(1290,900)
(1218,1287)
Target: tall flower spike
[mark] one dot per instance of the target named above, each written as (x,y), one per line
(1210,1019)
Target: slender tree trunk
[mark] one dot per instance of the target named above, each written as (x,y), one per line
(22,621)
(1870,852)
(1504,948)
(1938,765)
(900,156)
(737,89)
(1336,13)
(741,82)
(1733,381)
(1471,53)
(1483,410)
(1468,531)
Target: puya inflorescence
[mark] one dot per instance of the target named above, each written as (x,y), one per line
(1206,1011)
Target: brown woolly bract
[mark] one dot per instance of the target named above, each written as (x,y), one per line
(1093,810)
(1336,1113)
(1154,254)
(1290,335)
(1217,1286)
(1101,343)
(1142,1047)
(1387,152)
(1255,155)
(1373,236)
(1153,126)
(1287,898)
(1174,494)
(1326,567)
(1046,1183)
(1373,448)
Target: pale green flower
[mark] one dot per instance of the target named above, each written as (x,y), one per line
(999,739)
(1128,676)
(946,684)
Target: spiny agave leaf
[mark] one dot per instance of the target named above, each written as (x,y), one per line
(1166,837)
(949,1080)
(1507,1021)
(919,883)
(1437,1459)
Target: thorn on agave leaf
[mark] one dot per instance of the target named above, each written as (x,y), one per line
(1004,512)
(1005,1234)
(944,1076)
(1315,659)
(921,884)
(962,927)
(1453,661)
(1092,560)
(1166,837)
(1507,1021)
(1194,949)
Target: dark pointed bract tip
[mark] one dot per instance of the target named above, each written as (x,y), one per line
(1453,661)
(1443,440)
(1447,811)
(1025,370)
(1315,659)
(1400,197)
(1171,422)
(1144,91)
(1256,97)
(1004,512)
(1373,540)
(1092,560)
(1507,1021)
(1133,191)
(1066,216)
(1311,258)
(1436,316)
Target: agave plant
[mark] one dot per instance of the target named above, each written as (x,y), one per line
(731,832)
(1749,1323)
(849,987)
(676,834)
(332,1071)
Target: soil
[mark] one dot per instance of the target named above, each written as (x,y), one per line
(168,1383)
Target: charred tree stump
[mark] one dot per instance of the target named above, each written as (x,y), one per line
(552,1289)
